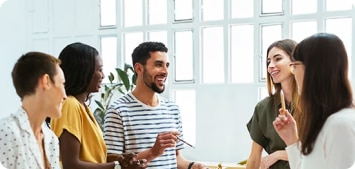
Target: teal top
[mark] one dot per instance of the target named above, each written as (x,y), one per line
(262,131)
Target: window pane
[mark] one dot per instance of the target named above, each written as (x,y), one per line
(107,12)
(183,10)
(271,6)
(242,54)
(132,40)
(301,30)
(157,15)
(186,99)
(336,5)
(183,56)
(109,56)
(212,55)
(212,10)
(344,32)
(132,13)
(242,8)
(269,34)
(304,6)
(159,36)
(263,93)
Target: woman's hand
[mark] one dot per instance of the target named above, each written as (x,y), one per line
(285,125)
(128,161)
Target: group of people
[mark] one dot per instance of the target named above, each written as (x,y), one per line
(58,88)
(141,130)
(316,129)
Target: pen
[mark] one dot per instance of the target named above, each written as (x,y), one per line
(282,99)
(185,142)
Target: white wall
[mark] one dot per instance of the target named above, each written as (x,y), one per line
(13,39)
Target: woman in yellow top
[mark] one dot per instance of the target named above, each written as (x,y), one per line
(80,137)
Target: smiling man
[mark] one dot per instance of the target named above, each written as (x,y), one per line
(145,122)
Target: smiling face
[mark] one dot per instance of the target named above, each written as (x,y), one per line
(95,83)
(56,94)
(155,71)
(278,65)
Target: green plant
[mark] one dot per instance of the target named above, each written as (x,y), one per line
(126,81)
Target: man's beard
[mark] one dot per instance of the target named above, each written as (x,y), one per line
(152,85)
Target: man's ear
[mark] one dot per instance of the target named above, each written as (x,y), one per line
(45,81)
(138,68)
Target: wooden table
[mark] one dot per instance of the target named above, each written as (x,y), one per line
(225,165)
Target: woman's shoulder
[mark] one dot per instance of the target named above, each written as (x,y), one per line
(266,102)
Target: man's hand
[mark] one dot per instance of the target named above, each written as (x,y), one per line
(163,141)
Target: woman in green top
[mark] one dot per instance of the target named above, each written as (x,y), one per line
(262,132)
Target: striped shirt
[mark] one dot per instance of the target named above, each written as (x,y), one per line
(132,126)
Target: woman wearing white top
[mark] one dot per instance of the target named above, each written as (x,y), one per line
(324,137)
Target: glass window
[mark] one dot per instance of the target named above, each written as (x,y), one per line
(107,13)
(133,14)
(263,93)
(271,7)
(109,55)
(212,10)
(158,36)
(131,41)
(157,12)
(242,54)
(336,5)
(269,34)
(186,99)
(303,29)
(344,32)
(304,6)
(212,55)
(242,8)
(183,10)
(183,56)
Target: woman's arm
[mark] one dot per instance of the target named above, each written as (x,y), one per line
(254,159)
(70,148)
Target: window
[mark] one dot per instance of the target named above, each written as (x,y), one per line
(133,15)
(212,55)
(212,10)
(131,41)
(157,11)
(183,10)
(303,29)
(242,54)
(304,7)
(183,58)
(107,13)
(109,55)
(242,8)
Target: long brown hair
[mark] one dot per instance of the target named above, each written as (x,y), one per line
(326,87)
(287,45)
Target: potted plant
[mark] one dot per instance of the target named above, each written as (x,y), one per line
(126,81)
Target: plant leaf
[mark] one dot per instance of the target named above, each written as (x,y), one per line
(99,104)
(124,77)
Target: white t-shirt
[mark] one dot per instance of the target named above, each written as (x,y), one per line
(334,147)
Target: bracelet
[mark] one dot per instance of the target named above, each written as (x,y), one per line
(117,165)
(190,165)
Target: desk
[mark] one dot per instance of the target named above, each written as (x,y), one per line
(225,165)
